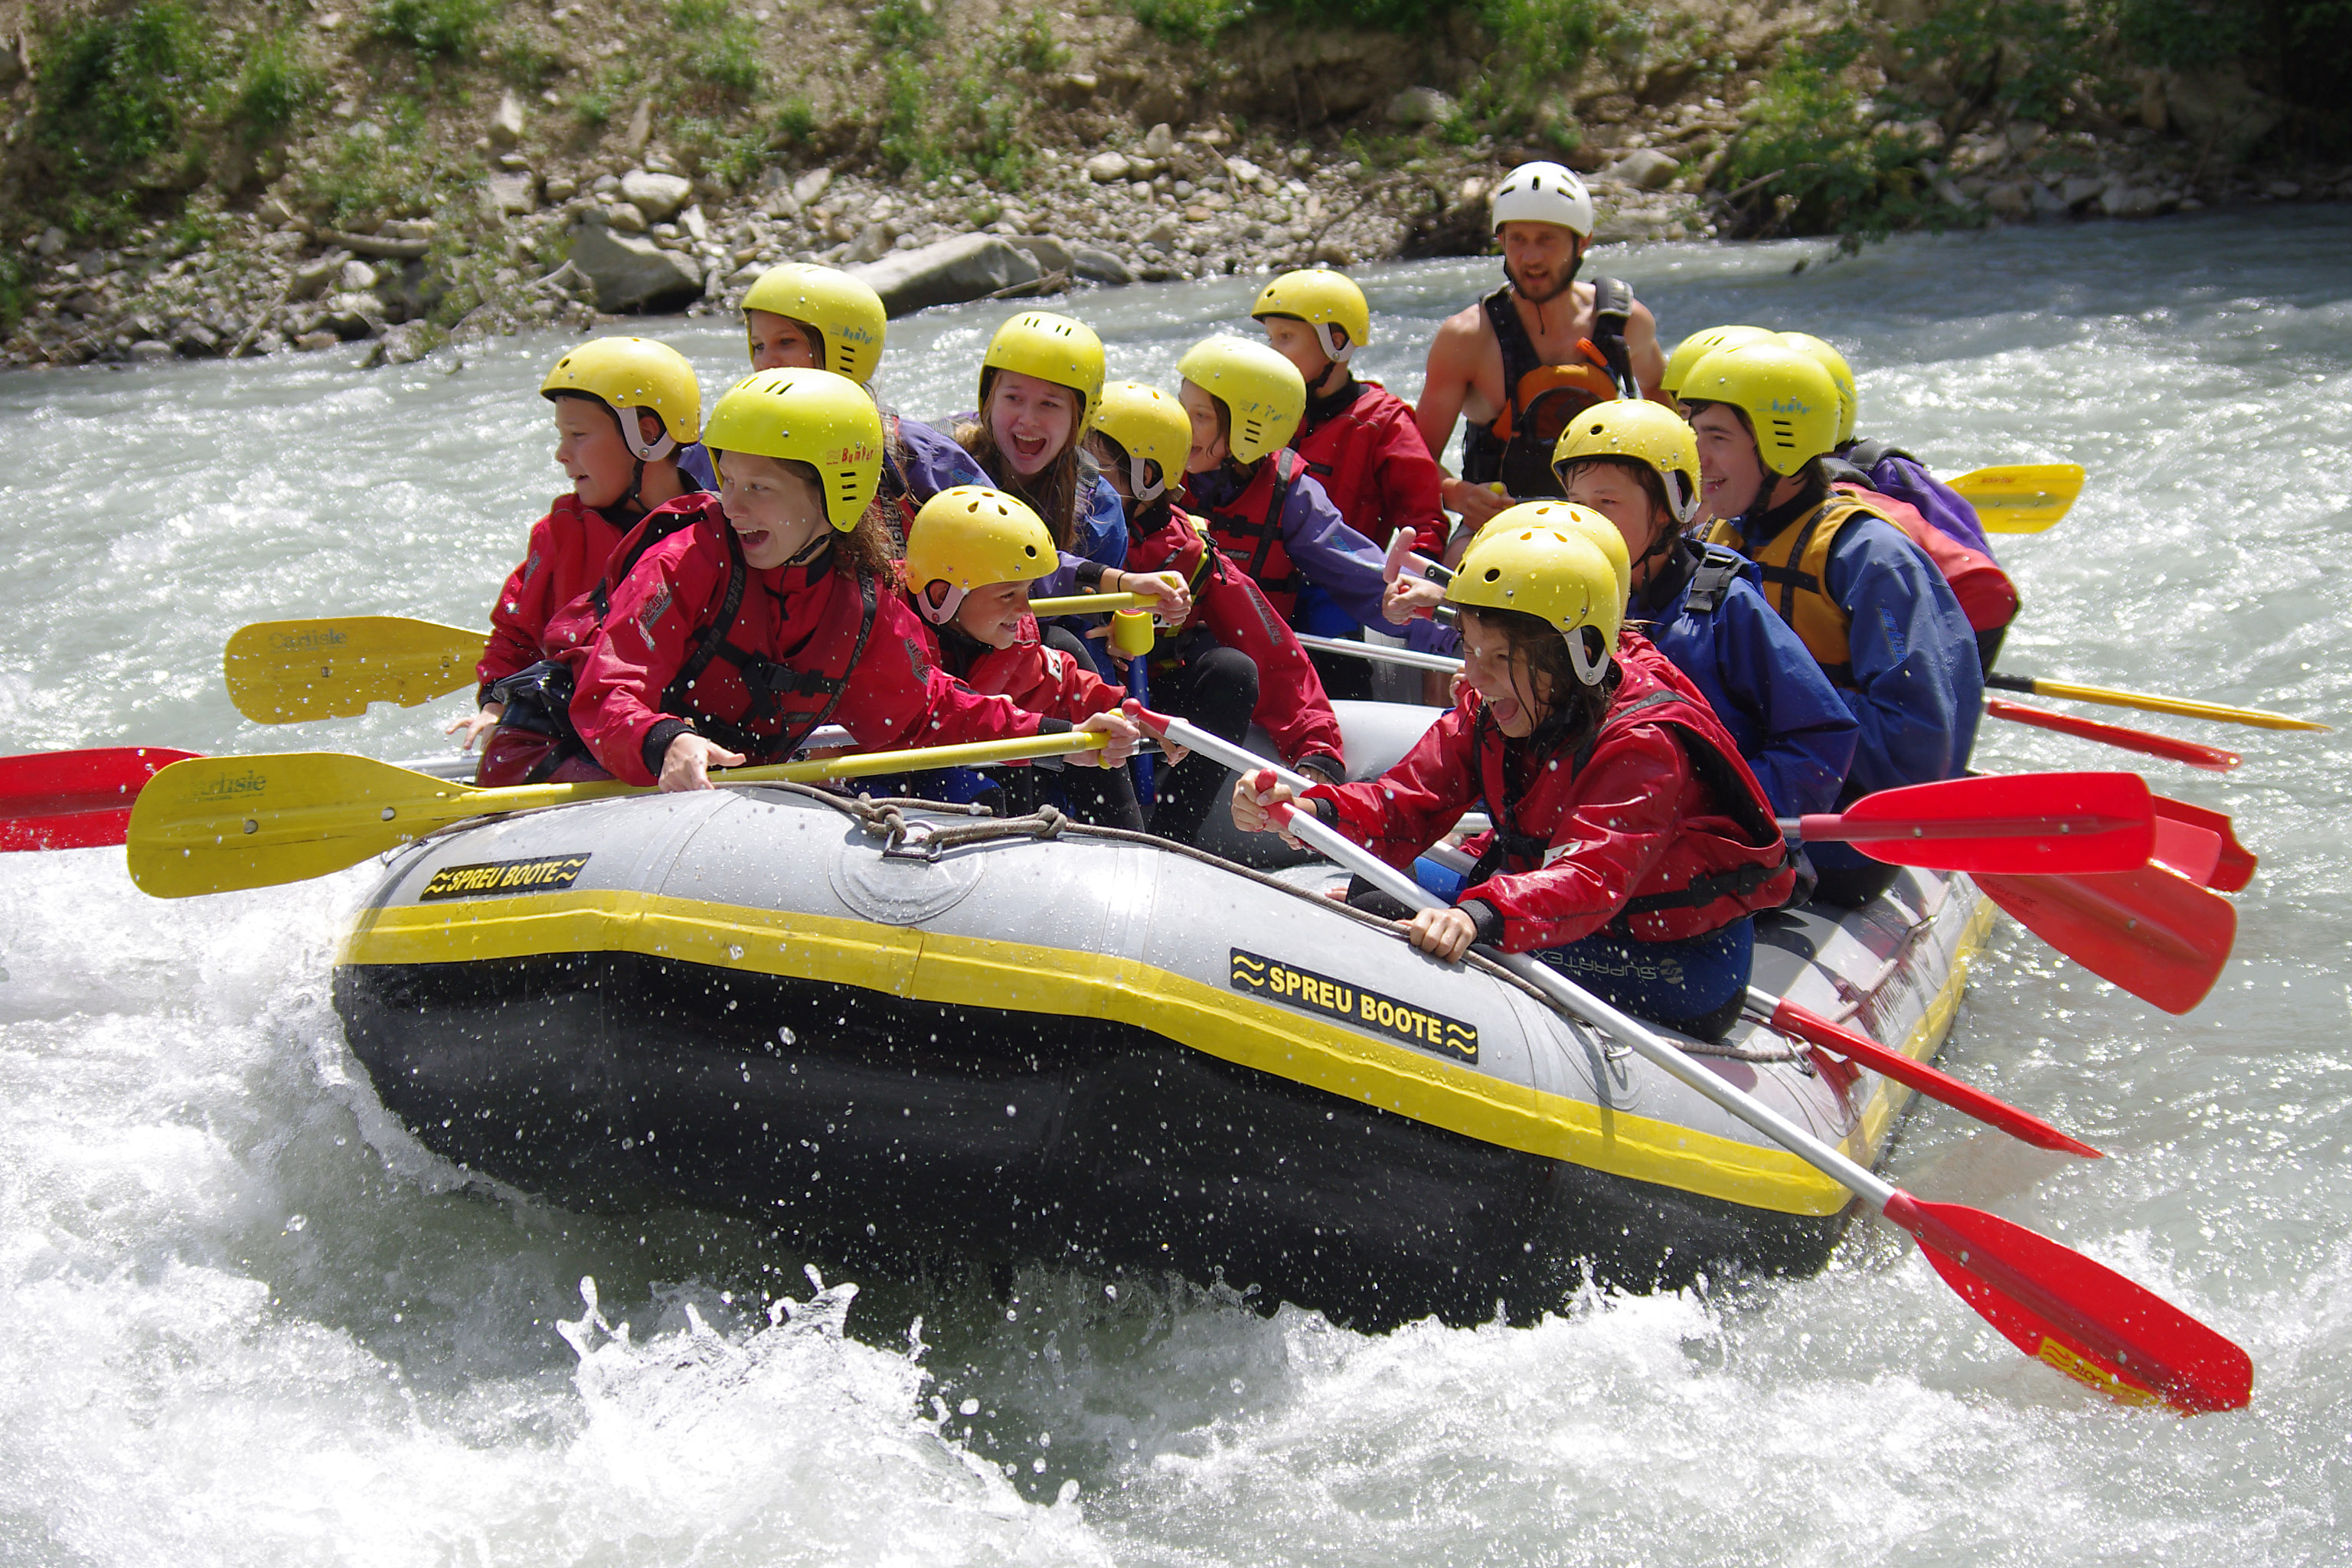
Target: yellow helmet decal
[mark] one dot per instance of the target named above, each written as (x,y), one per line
(1841,374)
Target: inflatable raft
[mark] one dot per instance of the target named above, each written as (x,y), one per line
(903,1036)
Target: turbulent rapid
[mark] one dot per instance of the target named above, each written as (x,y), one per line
(252,1319)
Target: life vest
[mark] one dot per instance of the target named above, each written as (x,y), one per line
(1794,564)
(1363,447)
(1748,865)
(788,701)
(1540,399)
(1249,529)
(1987,595)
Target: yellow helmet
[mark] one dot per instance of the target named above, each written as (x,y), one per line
(1581,521)
(846,315)
(1641,431)
(1323,299)
(1696,347)
(1051,348)
(1789,399)
(1556,574)
(1841,376)
(811,417)
(968,537)
(634,373)
(1263,393)
(1153,428)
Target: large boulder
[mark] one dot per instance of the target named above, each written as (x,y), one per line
(658,196)
(947,272)
(1647,169)
(629,273)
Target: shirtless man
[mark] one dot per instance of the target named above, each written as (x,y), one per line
(1520,362)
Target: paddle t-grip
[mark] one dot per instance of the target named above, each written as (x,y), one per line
(1131,632)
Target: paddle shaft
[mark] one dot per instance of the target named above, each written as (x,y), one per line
(1090,603)
(2212,759)
(1790,1019)
(1380,653)
(2147,702)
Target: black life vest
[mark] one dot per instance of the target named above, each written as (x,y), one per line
(1540,399)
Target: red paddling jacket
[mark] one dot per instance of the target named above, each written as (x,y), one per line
(568,552)
(1362,444)
(1291,704)
(1653,829)
(1042,679)
(756,658)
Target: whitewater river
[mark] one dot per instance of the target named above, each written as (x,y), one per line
(245,1317)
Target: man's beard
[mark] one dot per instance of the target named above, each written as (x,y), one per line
(1518,285)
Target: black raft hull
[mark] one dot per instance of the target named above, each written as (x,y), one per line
(757,1012)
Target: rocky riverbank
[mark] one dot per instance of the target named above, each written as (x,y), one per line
(535,210)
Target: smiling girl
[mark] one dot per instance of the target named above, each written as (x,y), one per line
(772,612)
(1631,846)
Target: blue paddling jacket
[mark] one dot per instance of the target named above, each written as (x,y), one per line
(1702,609)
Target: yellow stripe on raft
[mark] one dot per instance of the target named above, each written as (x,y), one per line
(1024,978)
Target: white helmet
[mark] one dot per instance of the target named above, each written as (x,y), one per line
(1543,193)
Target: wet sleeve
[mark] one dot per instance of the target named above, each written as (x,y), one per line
(899,698)
(1416,802)
(1333,556)
(1917,693)
(932,461)
(521,614)
(630,662)
(1409,481)
(1626,812)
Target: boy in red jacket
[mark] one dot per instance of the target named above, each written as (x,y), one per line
(624,408)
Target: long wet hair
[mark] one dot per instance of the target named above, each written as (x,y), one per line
(1053,492)
(1573,713)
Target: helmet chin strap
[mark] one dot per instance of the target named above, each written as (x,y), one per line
(1337,355)
(1590,668)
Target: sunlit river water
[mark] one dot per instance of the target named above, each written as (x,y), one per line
(248,1320)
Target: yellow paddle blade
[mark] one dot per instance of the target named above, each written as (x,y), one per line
(2025,499)
(283,672)
(1090,603)
(2258,717)
(213,824)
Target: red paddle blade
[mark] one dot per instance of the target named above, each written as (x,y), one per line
(1806,1025)
(2082,1317)
(2156,935)
(2184,847)
(2235,867)
(2039,822)
(2210,758)
(75,800)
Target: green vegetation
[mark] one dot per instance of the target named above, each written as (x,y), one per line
(274,88)
(112,92)
(902,24)
(1810,157)
(16,290)
(431,28)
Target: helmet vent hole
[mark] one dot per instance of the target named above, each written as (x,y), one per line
(1494,574)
